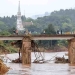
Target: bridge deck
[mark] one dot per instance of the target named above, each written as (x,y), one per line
(39,37)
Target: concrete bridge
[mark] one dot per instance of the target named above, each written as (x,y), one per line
(40,37)
(26,44)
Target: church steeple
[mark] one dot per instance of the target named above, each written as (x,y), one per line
(19,7)
(19,11)
(19,20)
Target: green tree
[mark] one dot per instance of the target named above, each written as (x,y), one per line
(4,33)
(50,29)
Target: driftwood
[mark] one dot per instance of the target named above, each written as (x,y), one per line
(17,61)
(61,60)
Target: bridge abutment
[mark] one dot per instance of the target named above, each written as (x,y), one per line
(26,51)
(71,52)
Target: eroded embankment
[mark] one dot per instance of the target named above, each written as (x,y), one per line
(3,68)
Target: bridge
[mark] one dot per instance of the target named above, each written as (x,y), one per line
(26,44)
(40,37)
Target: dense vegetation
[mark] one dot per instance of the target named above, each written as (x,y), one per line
(63,20)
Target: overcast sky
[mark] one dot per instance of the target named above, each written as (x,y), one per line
(33,7)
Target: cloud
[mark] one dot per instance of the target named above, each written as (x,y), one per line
(30,2)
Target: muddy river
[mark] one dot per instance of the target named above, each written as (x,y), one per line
(47,68)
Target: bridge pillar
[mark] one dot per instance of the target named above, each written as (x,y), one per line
(71,52)
(26,51)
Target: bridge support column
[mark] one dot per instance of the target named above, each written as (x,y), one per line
(26,51)
(71,52)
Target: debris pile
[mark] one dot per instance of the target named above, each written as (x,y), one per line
(3,68)
(61,60)
(17,61)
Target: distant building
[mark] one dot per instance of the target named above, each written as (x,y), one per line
(27,23)
(19,25)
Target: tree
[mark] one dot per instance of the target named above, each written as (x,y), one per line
(5,33)
(3,26)
(50,29)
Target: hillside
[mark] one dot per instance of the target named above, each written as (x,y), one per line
(63,20)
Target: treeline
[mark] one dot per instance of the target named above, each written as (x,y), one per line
(63,20)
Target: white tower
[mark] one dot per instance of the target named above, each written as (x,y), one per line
(19,20)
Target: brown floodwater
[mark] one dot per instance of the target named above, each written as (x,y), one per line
(48,68)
